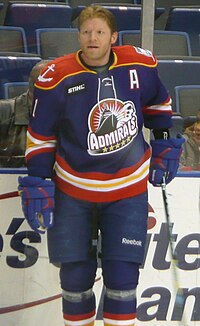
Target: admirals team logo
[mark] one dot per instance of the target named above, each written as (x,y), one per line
(112,126)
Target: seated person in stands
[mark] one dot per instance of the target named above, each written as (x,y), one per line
(14,118)
(190,159)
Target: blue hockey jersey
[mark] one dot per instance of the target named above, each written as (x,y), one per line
(86,127)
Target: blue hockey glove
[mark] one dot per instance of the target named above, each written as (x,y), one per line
(165,159)
(37,197)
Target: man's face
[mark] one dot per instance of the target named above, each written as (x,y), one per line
(96,39)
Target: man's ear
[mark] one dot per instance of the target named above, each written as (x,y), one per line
(114,38)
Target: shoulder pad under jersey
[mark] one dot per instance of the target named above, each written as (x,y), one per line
(128,54)
(56,70)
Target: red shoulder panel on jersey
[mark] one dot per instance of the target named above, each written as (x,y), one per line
(127,54)
(56,70)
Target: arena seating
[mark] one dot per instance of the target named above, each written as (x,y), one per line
(13,39)
(165,42)
(176,73)
(128,16)
(15,69)
(187,99)
(187,20)
(55,42)
(14,88)
(76,3)
(31,16)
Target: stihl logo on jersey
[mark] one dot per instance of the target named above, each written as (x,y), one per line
(113,125)
(75,89)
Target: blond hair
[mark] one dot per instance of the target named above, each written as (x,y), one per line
(98,12)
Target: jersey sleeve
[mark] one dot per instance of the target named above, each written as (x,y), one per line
(48,103)
(155,99)
(42,133)
(157,104)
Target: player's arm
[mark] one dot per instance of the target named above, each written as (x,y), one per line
(37,193)
(166,151)
(42,133)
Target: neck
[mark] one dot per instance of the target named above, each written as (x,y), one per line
(98,68)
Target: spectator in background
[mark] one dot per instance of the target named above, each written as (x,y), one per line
(14,119)
(190,158)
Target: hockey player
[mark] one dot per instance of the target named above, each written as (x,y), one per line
(85,140)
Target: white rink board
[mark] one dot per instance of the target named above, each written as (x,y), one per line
(29,286)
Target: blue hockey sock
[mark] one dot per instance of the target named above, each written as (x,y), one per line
(79,307)
(119,306)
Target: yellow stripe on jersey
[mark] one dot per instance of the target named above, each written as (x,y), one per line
(104,185)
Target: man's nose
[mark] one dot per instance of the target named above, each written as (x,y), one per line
(93,35)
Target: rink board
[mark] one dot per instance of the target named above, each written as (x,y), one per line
(29,285)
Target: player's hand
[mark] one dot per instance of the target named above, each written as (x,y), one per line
(37,196)
(165,159)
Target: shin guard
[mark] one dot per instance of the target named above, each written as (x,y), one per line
(121,279)
(78,308)
(78,299)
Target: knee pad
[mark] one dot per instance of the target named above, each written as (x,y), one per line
(77,296)
(78,276)
(120,275)
(121,295)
